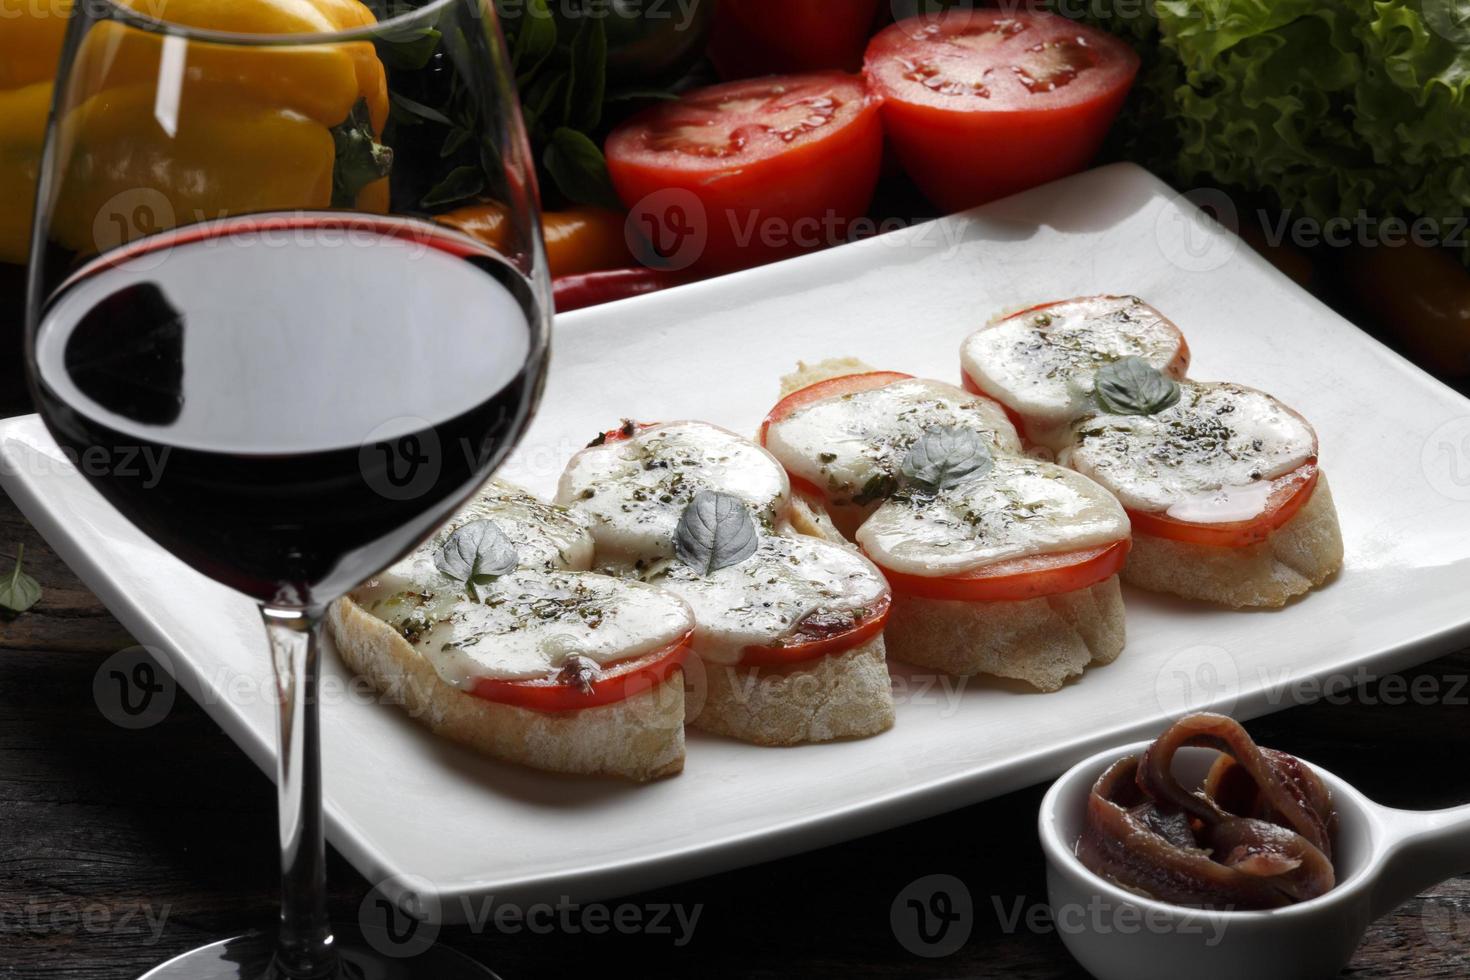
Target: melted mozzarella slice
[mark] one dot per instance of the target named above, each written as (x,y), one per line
(635,489)
(1021,507)
(1209,458)
(525,625)
(1041,363)
(852,445)
(788,582)
(547,538)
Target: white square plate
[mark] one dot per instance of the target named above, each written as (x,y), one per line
(403,803)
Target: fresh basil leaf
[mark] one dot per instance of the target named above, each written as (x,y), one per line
(641,95)
(535,36)
(1133,386)
(462,182)
(579,169)
(409,50)
(456,139)
(941,458)
(477,553)
(18,591)
(715,532)
(538,97)
(417,110)
(588,74)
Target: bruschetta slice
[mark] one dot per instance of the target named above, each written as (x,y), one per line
(1039,363)
(1000,564)
(788,644)
(1221,483)
(493,635)
(842,429)
(789,641)
(633,482)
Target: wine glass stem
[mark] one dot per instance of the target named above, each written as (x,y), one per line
(304,948)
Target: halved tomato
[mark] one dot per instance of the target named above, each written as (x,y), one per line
(1289,494)
(1020,578)
(616,682)
(813,640)
(983,103)
(734,175)
(847,384)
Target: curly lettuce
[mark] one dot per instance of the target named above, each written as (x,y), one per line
(1332,107)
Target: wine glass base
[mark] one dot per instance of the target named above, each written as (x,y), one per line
(249,957)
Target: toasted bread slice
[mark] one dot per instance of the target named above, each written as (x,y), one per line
(1044,642)
(843,695)
(1297,557)
(806,374)
(640,738)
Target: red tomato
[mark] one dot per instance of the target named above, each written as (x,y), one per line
(969,385)
(1288,496)
(982,103)
(1020,578)
(847,384)
(616,682)
(759,37)
(743,173)
(810,643)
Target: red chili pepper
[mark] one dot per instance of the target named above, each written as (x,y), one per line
(593,288)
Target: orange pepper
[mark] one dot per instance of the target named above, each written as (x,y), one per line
(578,240)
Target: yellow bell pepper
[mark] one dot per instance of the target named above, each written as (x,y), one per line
(125,178)
(31,32)
(243,129)
(22,131)
(321,81)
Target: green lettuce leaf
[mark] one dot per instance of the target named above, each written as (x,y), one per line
(1331,107)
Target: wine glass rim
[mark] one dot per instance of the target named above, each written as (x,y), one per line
(366,32)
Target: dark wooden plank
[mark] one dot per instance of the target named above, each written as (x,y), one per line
(119,849)
(68,617)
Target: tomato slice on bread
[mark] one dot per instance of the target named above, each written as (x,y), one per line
(847,384)
(1289,494)
(611,684)
(1015,579)
(983,103)
(742,173)
(968,383)
(817,639)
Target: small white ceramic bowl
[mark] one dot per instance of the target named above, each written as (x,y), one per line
(1382,856)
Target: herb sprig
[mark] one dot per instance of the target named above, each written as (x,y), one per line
(715,532)
(477,554)
(944,457)
(1133,386)
(18,591)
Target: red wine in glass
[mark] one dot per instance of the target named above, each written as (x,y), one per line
(289,404)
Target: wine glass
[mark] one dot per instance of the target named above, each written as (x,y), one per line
(237,271)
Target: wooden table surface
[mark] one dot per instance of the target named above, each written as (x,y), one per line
(119,849)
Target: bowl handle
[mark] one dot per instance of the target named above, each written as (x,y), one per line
(1425,848)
